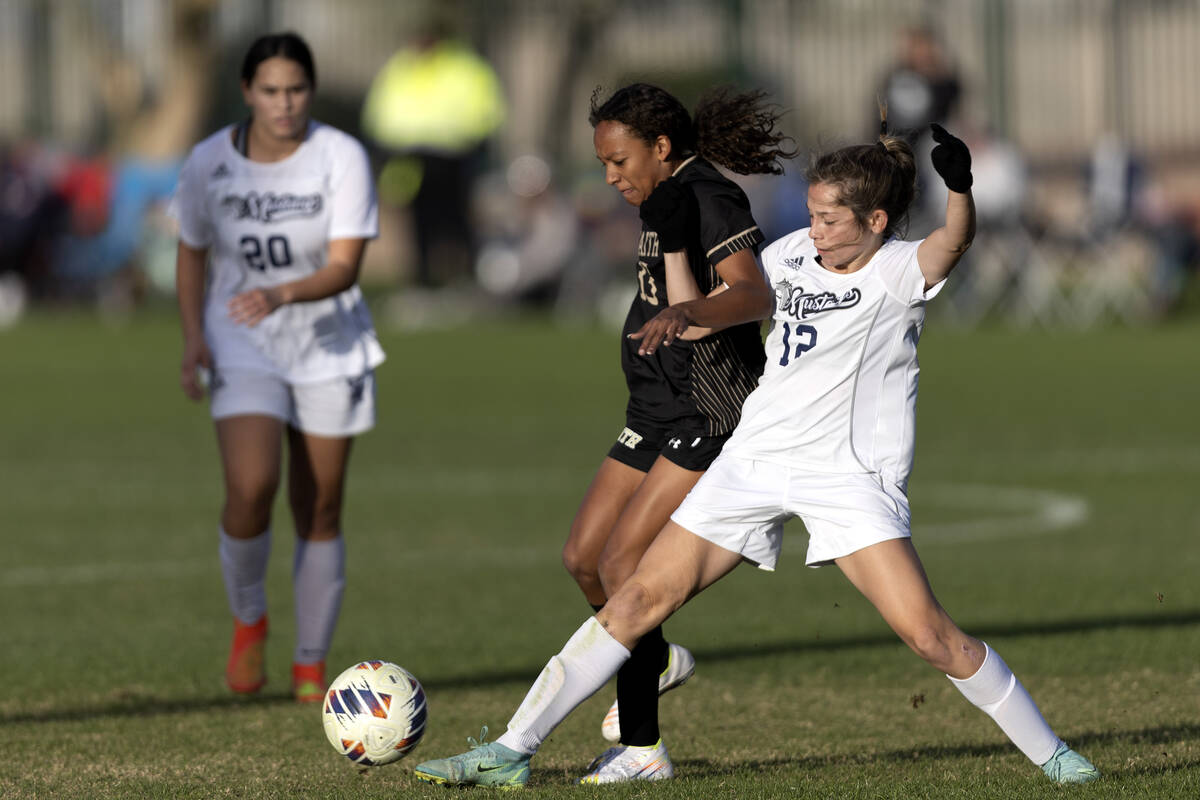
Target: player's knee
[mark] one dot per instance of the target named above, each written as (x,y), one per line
(580,564)
(323,522)
(641,604)
(930,643)
(634,601)
(253,496)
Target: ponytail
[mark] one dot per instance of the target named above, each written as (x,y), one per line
(872,176)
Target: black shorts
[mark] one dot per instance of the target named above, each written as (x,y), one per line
(641,443)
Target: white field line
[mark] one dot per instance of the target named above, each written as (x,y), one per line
(998,512)
(995,512)
(100,572)
(1105,461)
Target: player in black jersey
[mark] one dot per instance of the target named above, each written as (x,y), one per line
(685,398)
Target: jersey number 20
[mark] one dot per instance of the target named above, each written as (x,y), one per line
(806,339)
(278,253)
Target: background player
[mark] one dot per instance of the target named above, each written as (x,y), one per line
(684,400)
(282,207)
(827,436)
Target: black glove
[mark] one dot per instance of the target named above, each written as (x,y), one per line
(951,159)
(665,212)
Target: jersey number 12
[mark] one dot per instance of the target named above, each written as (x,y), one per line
(806,339)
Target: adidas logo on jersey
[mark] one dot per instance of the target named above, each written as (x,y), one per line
(221,171)
(794,263)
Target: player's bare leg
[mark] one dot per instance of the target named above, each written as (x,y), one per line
(250,459)
(316,482)
(606,497)
(890,575)
(654,666)
(644,515)
(677,566)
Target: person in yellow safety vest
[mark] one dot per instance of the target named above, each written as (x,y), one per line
(431,108)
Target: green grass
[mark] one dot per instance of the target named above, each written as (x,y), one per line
(114,627)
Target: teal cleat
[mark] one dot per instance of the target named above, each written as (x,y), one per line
(1067,766)
(486,764)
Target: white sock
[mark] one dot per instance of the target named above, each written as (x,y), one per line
(318,579)
(244,567)
(586,662)
(994,689)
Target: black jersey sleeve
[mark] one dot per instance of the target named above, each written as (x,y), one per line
(726,224)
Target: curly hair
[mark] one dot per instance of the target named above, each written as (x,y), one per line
(870,176)
(735,130)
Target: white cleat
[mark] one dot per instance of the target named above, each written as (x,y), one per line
(681,665)
(622,764)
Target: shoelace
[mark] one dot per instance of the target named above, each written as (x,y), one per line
(483,732)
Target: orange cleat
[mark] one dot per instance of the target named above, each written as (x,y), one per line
(308,682)
(246,673)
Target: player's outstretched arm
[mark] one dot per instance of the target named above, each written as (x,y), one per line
(941,250)
(339,274)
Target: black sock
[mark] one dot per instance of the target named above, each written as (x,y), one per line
(637,690)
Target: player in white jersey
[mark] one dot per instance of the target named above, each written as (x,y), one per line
(274,215)
(827,436)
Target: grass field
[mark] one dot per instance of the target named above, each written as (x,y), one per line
(1056,504)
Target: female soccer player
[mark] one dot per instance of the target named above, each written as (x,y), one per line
(282,207)
(826,436)
(684,400)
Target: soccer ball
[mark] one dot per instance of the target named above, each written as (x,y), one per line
(374,713)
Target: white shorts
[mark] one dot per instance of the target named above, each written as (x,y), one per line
(335,408)
(741,505)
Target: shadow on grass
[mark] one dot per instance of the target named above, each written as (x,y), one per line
(989,632)
(704,769)
(145,706)
(1083,741)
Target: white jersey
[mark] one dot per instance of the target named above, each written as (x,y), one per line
(265,224)
(839,393)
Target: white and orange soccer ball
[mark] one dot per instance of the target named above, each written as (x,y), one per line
(374,713)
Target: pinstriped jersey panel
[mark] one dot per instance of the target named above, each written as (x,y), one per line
(721,382)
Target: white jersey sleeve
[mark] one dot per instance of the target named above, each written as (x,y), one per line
(903,276)
(189,208)
(353,207)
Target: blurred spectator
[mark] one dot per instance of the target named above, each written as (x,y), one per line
(107,230)
(922,85)
(1123,195)
(31,214)
(529,230)
(72,220)
(431,108)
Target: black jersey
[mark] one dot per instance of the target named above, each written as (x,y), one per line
(697,386)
